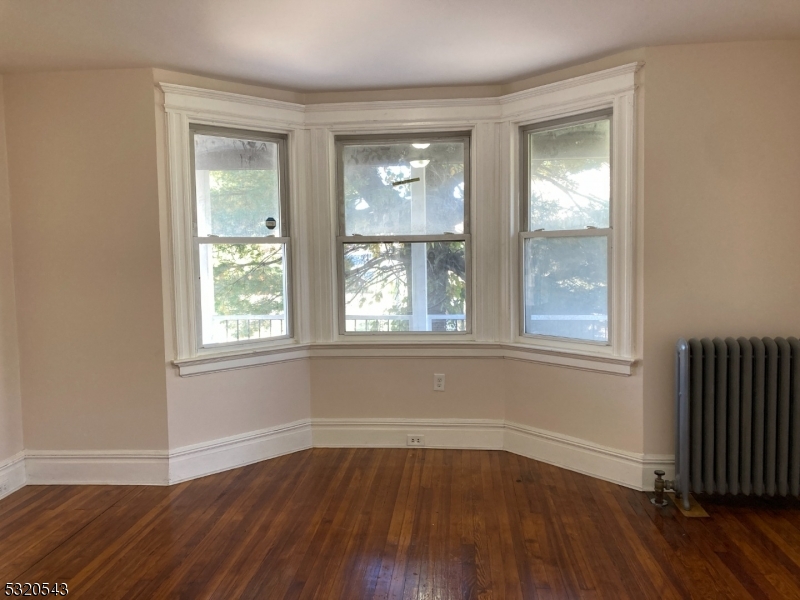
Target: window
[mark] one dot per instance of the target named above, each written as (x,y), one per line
(400,257)
(241,235)
(566,228)
(403,241)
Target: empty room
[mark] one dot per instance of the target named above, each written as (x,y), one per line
(410,300)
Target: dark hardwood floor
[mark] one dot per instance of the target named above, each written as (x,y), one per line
(405,524)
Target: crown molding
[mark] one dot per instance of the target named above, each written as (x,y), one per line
(627,69)
(400,104)
(185,90)
(393,105)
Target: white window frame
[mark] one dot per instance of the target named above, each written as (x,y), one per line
(283,238)
(527,234)
(342,238)
(185,108)
(621,302)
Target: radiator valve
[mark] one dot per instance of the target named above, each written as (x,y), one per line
(660,486)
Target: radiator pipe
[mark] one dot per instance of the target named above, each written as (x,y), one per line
(660,486)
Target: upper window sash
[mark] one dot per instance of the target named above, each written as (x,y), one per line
(553,125)
(407,158)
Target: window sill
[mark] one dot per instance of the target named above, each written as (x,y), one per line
(585,361)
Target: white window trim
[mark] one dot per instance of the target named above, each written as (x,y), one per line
(184,108)
(622,261)
(494,124)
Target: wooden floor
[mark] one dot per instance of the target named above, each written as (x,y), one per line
(379,523)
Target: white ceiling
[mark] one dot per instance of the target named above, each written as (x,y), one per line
(314,45)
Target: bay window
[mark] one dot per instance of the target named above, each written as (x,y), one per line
(385,246)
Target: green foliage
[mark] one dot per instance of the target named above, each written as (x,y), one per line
(447,290)
(375,271)
(248,278)
(385,209)
(559,158)
(242,200)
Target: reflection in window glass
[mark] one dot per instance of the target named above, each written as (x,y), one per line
(237,183)
(404,188)
(242,291)
(566,287)
(570,176)
(398,286)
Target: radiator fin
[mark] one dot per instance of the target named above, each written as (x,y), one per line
(734,378)
(794,438)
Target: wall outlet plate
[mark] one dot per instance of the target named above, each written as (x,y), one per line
(415,440)
(438,382)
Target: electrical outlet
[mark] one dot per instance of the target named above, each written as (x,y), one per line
(438,382)
(415,440)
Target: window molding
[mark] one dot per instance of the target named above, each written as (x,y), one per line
(620,102)
(185,108)
(494,212)
(366,349)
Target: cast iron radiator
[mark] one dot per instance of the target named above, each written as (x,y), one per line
(738,417)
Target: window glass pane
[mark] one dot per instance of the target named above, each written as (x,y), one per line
(242,291)
(570,176)
(377,202)
(566,287)
(405,287)
(237,186)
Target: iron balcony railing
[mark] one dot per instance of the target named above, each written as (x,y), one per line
(232,328)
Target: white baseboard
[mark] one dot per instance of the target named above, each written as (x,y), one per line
(624,468)
(160,467)
(483,434)
(12,474)
(629,469)
(208,458)
(97,467)
(165,468)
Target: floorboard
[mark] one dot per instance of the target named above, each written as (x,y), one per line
(395,524)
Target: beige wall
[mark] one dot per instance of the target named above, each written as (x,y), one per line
(218,405)
(722,210)
(597,407)
(403,388)
(10,401)
(86,254)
